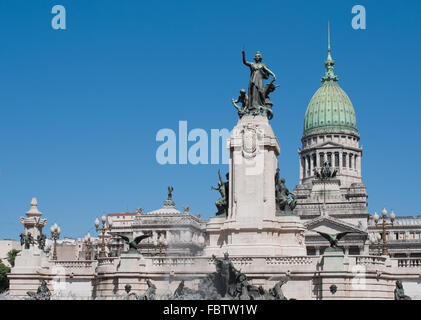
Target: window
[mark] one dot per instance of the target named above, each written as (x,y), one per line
(322,159)
(337,159)
(355,162)
(308,165)
(304,166)
(314,160)
(350,161)
(344,160)
(329,159)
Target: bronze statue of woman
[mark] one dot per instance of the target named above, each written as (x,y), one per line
(258,72)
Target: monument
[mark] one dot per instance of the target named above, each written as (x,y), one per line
(255,212)
(255,241)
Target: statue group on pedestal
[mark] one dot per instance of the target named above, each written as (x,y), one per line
(230,284)
(285,200)
(27,239)
(148,295)
(399,292)
(222,202)
(325,172)
(226,283)
(43,293)
(257,101)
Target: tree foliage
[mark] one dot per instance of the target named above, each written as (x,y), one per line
(4,281)
(11,256)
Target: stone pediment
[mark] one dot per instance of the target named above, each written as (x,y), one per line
(330,225)
(330,144)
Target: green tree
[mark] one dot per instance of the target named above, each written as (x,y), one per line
(11,256)
(4,282)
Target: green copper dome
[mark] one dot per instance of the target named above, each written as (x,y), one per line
(330,109)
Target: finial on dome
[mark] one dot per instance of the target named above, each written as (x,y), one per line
(329,57)
(329,63)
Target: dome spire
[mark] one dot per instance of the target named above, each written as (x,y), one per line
(329,63)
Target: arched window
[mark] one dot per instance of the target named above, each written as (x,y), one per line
(344,160)
(350,161)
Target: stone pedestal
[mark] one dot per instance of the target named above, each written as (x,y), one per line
(33,222)
(252,227)
(25,276)
(333,260)
(115,274)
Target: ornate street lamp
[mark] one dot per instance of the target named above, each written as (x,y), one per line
(376,239)
(55,234)
(384,225)
(103,229)
(88,245)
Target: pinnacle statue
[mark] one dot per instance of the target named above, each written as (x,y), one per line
(257,101)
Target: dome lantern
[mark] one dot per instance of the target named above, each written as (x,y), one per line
(330,110)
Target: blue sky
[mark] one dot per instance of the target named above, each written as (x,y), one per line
(80,108)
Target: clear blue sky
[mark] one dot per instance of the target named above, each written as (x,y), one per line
(80,108)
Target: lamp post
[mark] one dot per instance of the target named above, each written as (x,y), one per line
(103,229)
(384,225)
(375,239)
(88,245)
(378,238)
(55,234)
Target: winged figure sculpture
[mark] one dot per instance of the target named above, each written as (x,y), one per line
(334,238)
(133,243)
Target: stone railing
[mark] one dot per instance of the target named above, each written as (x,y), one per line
(176,261)
(104,261)
(240,261)
(300,260)
(73,267)
(74,263)
(369,260)
(409,262)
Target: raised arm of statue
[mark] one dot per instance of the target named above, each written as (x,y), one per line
(244,59)
(220,178)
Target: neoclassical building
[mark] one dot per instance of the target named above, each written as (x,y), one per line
(174,232)
(331,135)
(264,245)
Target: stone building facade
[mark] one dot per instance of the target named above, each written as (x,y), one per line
(173,232)
(264,244)
(330,135)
